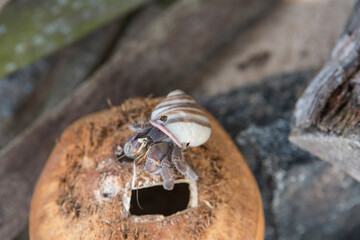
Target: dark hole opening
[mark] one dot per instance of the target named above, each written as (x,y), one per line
(157,200)
(163,118)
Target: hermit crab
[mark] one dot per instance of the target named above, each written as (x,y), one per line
(176,124)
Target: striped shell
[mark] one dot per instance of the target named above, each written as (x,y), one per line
(180,117)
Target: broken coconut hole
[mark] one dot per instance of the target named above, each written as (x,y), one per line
(144,198)
(150,201)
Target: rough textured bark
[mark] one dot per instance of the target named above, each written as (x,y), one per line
(327,116)
(153,61)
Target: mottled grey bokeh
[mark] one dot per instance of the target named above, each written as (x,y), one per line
(303,197)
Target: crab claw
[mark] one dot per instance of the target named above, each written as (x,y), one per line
(167,174)
(151,167)
(135,146)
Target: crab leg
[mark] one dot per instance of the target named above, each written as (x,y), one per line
(155,154)
(167,174)
(178,159)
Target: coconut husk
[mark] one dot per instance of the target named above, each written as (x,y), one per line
(86,192)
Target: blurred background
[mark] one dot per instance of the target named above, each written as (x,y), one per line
(246,61)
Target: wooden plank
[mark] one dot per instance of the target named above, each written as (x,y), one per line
(50,80)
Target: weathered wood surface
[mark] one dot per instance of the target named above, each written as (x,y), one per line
(327,116)
(43,26)
(151,60)
(50,80)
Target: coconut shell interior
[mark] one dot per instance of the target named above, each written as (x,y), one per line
(86,192)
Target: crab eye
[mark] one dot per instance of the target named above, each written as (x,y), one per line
(163,118)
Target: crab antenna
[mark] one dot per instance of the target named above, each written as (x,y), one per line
(117,159)
(120,157)
(141,147)
(137,199)
(141,157)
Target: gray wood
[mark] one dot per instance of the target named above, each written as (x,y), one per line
(327,115)
(51,80)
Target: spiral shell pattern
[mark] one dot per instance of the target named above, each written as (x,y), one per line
(180,117)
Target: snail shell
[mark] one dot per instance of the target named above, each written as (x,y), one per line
(180,117)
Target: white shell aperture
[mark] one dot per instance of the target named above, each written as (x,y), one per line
(180,117)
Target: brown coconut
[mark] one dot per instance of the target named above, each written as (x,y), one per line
(84,192)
